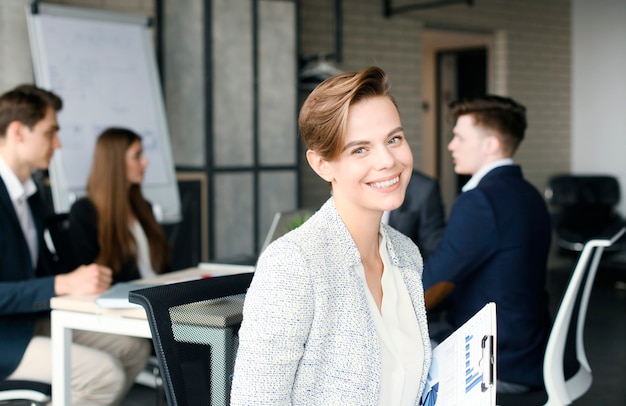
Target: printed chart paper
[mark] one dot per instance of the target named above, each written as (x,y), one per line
(463,366)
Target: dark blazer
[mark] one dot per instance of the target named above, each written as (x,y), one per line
(84,238)
(421,216)
(495,248)
(25,291)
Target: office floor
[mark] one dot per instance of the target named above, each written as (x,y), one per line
(605,330)
(605,333)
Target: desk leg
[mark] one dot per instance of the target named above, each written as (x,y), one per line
(61,339)
(221,340)
(222,366)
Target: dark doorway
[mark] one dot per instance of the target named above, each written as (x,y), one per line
(461,74)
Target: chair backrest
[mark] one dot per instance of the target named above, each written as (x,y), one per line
(566,337)
(37,393)
(58,228)
(583,208)
(585,203)
(583,190)
(194,326)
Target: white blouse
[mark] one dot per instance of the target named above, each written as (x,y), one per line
(143,251)
(399,335)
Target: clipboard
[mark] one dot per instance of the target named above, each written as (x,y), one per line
(463,368)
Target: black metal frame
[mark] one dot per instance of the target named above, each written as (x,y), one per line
(209,168)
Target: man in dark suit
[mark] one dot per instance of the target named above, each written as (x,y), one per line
(103,365)
(421,215)
(495,246)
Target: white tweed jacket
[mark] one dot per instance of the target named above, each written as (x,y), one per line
(307,336)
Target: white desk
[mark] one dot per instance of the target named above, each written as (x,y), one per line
(81,313)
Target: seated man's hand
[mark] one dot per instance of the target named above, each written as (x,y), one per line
(436,293)
(84,280)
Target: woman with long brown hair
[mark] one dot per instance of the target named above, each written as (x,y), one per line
(114,224)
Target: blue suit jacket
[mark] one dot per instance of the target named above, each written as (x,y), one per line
(421,216)
(495,248)
(25,291)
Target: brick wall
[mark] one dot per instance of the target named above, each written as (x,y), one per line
(15,57)
(533,63)
(368,39)
(533,58)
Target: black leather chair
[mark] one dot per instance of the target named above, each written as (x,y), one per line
(583,208)
(186,320)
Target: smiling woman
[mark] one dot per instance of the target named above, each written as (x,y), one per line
(335,312)
(374,167)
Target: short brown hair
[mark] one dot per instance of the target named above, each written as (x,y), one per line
(501,114)
(324,114)
(27,104)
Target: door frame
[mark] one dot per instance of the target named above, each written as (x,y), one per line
(434,41)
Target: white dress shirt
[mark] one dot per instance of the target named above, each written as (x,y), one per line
(143,251)
(402,352)
(477,177)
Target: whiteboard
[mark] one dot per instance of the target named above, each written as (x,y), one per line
(103,66)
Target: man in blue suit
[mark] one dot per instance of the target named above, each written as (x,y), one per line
(421,216)
(103,365)
(495,246)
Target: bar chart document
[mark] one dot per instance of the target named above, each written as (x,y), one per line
(463,369)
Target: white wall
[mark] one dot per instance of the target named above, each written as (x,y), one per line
(15,58)
(599,89)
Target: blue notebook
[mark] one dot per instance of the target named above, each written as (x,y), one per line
(117,295)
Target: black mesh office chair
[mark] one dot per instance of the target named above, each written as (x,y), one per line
(194,326)
(24,393)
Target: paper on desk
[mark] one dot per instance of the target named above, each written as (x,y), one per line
(117,295)
(463,366)
(217,269)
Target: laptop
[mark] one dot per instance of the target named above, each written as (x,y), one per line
(283,222)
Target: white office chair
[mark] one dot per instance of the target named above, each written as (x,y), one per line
(561,391)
